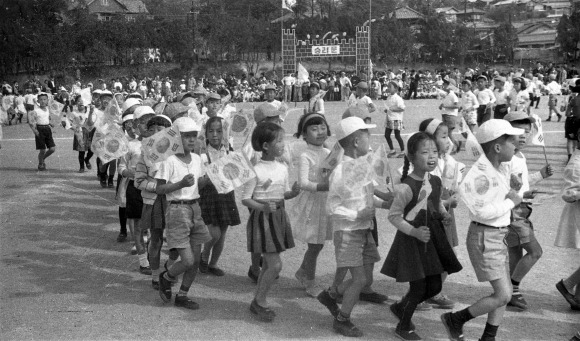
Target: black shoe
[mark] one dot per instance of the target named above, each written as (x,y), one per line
(518,301)
(215,271)
(103,180)
(373,297)
(346,328)
(567,295)
(549,119)
(164,287)
(122,237)
(155,285)
(329,302)
(408,335)
(454,333)
(185,302)
(203,266)
(262,313)
(253,276)
(111,183)
(398,312)
(145,270)
(88,164)
(81,170)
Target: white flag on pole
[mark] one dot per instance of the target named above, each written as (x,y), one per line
(302,73)
(162,145)
(537,132)
(424,194)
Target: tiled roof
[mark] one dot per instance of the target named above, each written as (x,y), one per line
(548,37)
(407,13)
(134,6)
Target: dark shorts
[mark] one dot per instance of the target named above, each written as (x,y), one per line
(44,139)
(571,127)
(134,207)
(500,111)
(29,107)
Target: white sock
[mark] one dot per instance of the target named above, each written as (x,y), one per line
(143,260)
(155,274)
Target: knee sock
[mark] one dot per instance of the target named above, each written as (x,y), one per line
(516,287)
(82,159)
(143,260)
(400,140)
(89,156)
(489,332)
(183,291)
(123,220)
(155,275)
(461,317)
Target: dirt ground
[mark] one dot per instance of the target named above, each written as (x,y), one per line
(64,276)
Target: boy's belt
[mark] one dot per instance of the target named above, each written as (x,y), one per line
(488,226)
(183,202)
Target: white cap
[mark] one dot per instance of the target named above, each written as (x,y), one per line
(141,111)
(494,128)
(127,118)
(165,117)
(106,93)
(129,102)
(351,124)
(186,124)
(97,91)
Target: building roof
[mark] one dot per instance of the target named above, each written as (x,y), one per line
(446,10)
(406,12)
(470,11)
(535,28)
(134,6)
(540,38)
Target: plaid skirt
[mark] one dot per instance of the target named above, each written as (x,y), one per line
(218,209)
(267,234)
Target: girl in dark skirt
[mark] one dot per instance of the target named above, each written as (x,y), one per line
(217,210)
(268,229)
(420,252)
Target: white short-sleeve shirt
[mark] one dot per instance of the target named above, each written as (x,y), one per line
(173,170)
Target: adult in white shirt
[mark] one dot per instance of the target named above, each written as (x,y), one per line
(288,82)
(554,89)
(345,85)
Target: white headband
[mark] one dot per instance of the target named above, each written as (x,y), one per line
(432,127)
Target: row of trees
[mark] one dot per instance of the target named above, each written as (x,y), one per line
(46,34)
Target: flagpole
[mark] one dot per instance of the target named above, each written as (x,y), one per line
(545,156)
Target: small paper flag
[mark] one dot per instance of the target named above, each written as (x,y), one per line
(230,172)
(162,145)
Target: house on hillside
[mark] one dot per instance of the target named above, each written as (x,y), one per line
(537,41)
(557,8)
(449,13)
(107,10)
(407,15)
(471,14)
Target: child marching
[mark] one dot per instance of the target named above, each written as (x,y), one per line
(308,214)
(395,108)
(420,252)
(219,211)
(268,229)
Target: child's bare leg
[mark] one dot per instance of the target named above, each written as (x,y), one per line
(271,269)
(352,291)
(493,305)
(309,262)
(525,264)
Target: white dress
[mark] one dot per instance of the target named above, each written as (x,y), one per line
(307,211)
(568,234)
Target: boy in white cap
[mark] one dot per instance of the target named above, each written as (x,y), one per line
(39,121)
(554,89)
(521,235)
(179,178)
(450,108)
(351,211)
(486,192)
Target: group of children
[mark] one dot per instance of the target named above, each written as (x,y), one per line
(174,201)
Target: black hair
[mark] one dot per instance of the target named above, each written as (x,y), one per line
(412,147)
(42,94)
(522,121)
(311,122)
(265,132)
(158,121)
(488,146)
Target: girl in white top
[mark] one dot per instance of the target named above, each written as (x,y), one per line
(308,212)
(81,142)
(269,231)
(316,103)
(395,109)
(519,96)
